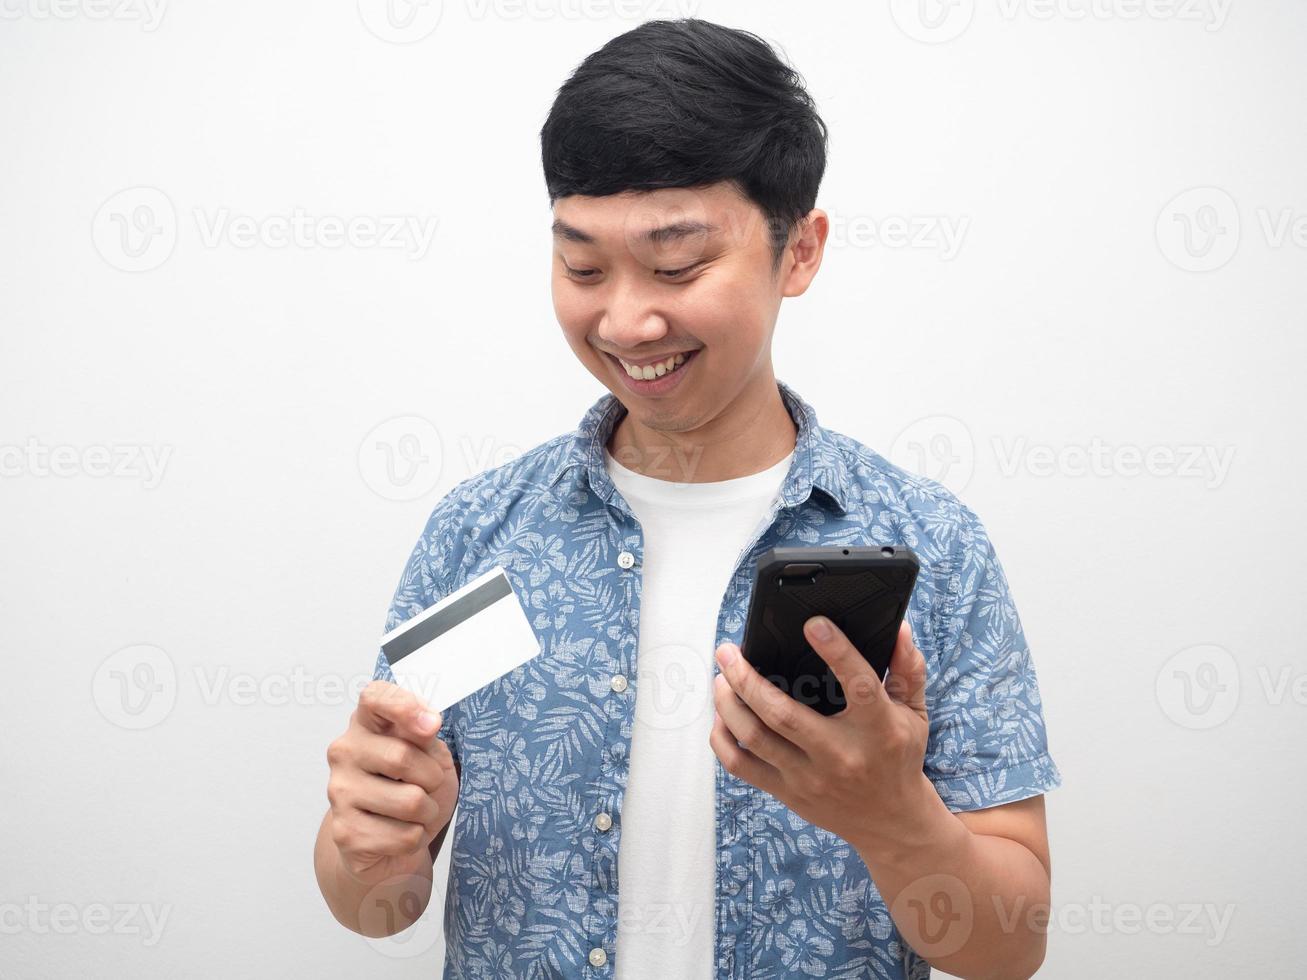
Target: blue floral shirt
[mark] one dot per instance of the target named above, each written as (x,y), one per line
(543,751)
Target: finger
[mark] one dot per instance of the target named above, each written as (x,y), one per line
(371,833)
(389,709)
(794,722)
(850,667)
(749,730)
(906,680)
(405,802)
(396,758)
(741,762)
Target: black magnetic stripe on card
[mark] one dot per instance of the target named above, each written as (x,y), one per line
(446,619)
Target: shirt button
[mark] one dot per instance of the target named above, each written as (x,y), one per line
(618,683)
(598,957)
(626,560)
(603,821)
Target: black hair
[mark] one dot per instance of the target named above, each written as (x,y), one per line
(687,103)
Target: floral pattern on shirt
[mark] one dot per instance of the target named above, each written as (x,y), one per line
(542,751)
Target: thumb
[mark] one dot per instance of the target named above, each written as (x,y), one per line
(906,680)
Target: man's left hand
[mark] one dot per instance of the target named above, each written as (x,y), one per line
(857,773)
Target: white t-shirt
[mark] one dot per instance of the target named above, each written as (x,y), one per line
(693,535)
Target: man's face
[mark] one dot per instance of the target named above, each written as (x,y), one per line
(644,276)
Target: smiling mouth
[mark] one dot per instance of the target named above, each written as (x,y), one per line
(648,372)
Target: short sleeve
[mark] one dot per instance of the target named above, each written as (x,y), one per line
(988,744)
(427,578)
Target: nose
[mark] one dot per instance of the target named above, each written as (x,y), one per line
(630,319)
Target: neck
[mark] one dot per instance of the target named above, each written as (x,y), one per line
(754,432)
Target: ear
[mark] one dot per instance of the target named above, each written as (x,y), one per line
(805,250)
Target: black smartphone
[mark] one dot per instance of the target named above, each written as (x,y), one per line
(863,590)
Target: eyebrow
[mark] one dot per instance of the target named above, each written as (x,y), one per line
(657,236)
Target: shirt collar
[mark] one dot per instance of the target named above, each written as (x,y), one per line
(817,462)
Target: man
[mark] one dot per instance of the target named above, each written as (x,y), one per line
(637,801)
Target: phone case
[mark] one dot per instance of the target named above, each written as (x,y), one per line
(863,590)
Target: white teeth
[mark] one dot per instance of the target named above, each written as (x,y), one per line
(650,371)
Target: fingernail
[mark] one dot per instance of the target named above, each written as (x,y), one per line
(726,654)
(820,627)
(427,721)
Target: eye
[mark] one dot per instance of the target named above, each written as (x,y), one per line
(676,273)
(587,274)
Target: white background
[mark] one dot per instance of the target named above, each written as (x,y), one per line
(1075,316)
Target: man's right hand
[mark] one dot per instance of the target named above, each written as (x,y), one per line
(393,785)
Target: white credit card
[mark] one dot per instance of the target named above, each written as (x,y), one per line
(465,641)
